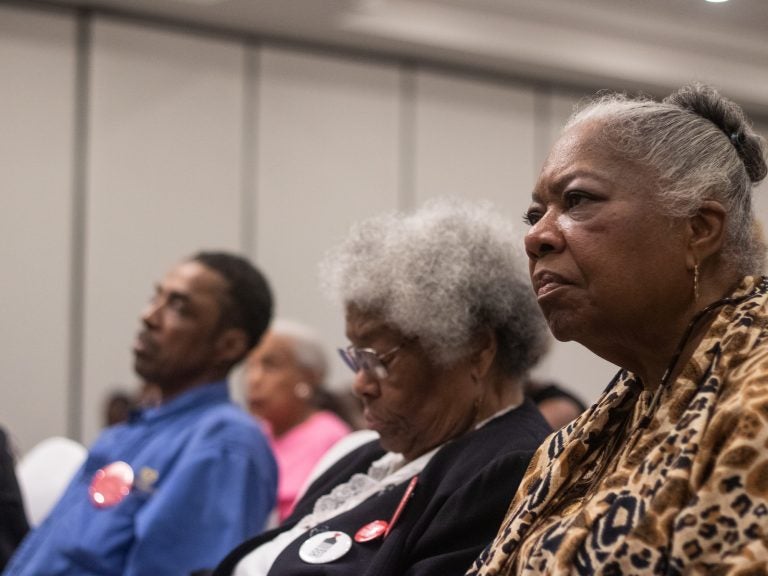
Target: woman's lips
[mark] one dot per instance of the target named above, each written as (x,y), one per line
(546,282)
(370,419)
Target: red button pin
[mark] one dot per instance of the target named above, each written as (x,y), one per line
(111,484)
(382,528)
(401,505)
(371,531)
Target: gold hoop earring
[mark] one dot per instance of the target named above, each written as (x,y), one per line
(695,283)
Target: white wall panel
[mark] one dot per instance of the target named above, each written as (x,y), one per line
(473,139)
(37,65)
(165,179)
(328,133)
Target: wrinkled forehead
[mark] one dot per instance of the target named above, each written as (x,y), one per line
(365,326)
(583,139)
(586,149)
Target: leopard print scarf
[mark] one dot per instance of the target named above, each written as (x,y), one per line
(686,493)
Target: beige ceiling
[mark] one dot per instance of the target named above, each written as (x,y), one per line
(649,44)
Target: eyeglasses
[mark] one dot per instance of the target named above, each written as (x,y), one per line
(368,360)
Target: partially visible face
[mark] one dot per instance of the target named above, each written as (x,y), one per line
(178,342)
(606,263)
(271,376)
(419,405)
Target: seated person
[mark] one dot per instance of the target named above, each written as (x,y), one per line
(443,330)
(284,374)
(557,405)
(643,249)
(175,487)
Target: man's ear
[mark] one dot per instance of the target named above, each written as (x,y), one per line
(706,229)
(232,345)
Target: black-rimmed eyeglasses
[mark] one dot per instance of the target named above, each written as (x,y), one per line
(368,360)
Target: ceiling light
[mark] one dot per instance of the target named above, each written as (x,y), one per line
(717,1)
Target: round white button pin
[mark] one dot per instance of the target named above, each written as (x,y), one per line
(325,547)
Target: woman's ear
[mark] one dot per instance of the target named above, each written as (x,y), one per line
(486,345)
(706,229)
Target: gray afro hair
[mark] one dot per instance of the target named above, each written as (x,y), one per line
(442,274)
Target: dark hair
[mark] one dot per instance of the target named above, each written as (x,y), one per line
(728,117)
(249,303)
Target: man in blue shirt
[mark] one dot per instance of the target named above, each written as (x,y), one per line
(179,485)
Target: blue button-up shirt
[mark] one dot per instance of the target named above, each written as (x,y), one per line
(205,480)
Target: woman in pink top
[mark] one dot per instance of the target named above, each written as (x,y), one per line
(284,375)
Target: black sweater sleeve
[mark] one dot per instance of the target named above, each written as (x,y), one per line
(13,520)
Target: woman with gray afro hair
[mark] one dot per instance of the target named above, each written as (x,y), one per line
(440,275)
(442,330)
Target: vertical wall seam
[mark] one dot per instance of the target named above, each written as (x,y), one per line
(249,155)
(79,221)
(543,108)
(407,137)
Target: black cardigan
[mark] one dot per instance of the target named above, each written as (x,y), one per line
(457,506)
(13,520)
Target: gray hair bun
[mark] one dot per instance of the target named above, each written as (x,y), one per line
(729,117)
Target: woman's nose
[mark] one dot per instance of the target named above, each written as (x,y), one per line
(365,385)
(544,237)
(253,376)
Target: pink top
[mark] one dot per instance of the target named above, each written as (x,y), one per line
(298,450)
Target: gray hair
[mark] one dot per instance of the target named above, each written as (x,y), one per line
(308,348)
(442,274)
(702,147)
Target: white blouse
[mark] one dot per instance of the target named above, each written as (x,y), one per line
(389,470)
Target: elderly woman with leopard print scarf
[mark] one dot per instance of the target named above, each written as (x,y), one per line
(644,248)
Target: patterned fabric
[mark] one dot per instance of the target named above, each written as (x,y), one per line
(685,493)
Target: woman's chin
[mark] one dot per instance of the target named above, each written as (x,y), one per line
(563,326)
(389,443)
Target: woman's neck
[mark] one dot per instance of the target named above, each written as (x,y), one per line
(686,337)
(299,417)
(505,393)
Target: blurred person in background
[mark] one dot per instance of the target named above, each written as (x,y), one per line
(118,407)
(557,405)
(345,405)
(284,377)
(121,404)
(175,487)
